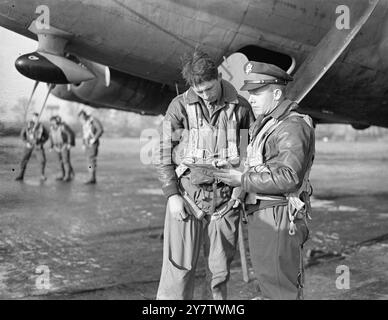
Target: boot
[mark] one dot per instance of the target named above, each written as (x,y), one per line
(72,173)
(42,176)
(67,176)
(219,293)
(92,179)
(61,176)
(20,176)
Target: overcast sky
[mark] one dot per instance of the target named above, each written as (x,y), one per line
(12,84)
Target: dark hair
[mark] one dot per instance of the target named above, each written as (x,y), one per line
(198,67)
(83,114)
(53,118)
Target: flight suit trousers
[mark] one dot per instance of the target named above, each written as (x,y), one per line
(182,244)
(64,162)
(276,255)
(91,154)
(40,154)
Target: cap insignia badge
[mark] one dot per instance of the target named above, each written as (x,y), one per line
(248,68)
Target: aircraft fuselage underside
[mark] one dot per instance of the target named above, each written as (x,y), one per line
(146,38)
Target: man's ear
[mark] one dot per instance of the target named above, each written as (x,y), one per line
(220,76)
(277,94)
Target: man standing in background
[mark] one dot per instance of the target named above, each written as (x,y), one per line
(61,140)
(34,136)
(92,130)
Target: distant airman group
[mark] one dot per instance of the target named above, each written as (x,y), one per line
(61,139)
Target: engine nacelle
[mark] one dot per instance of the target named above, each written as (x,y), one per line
(359,126)
(124,92)
(51,68)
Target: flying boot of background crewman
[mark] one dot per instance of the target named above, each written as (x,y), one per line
(34,135)
(92,130)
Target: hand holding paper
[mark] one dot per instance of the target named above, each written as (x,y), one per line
(231,177)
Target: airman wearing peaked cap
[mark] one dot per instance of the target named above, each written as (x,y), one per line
(275,184)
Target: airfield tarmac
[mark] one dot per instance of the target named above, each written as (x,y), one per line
(104,241)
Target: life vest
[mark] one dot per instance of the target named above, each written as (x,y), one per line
(88,130)
(57,136)
(35,134)
(203,143)
(255,163)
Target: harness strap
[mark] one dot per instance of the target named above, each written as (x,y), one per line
(295,204)
(227,133)
(199,214)
(195,119)
(300,275)
(214,190)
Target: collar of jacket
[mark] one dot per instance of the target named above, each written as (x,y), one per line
(280,112)
(283,109)
(30,127)
(228,95)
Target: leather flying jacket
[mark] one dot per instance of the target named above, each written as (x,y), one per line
(92,129)
(287,154)
(176,121)
(37,137)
